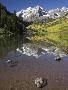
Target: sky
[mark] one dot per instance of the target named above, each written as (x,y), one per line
(17,5)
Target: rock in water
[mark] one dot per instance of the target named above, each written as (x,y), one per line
(40,82)
(58,58)
(12,63)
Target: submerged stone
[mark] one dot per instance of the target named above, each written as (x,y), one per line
(40,82)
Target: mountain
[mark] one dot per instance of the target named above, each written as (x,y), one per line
(30,14)
(56,13)
(38,13)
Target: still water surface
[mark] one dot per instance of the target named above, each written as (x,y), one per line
(21,63)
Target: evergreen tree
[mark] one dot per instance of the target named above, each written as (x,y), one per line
(10,22)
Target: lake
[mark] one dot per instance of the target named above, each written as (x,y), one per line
(22,61)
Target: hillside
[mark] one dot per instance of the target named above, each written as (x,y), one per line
(51,26)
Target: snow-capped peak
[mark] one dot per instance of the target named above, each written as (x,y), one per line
(64,9)
(38,7)
(37,12)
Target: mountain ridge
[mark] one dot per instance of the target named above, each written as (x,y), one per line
(38,13)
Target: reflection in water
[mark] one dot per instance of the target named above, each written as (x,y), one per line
(37,51)
(9,44)
(60,40)
(21,64)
